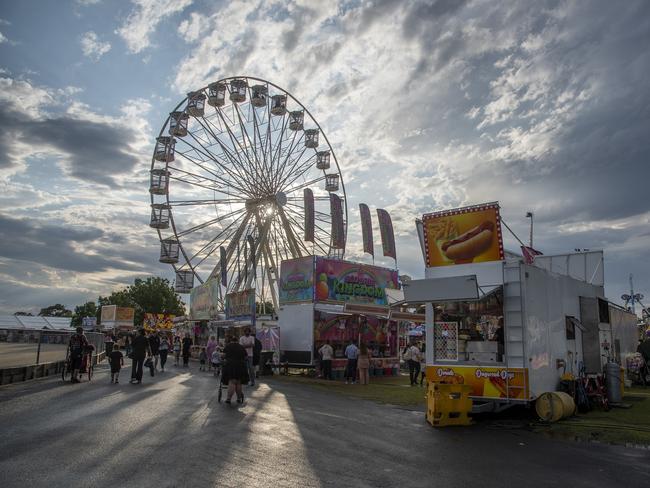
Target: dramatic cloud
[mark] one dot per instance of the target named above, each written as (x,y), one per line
(143,20)
(433,104)
(92,47)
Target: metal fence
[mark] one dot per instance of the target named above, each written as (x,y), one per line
(24,347)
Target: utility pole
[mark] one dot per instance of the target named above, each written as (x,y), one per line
(530,216)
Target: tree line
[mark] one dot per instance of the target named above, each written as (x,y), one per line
(152,295)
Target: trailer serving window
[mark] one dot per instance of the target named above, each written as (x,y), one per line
(470,332)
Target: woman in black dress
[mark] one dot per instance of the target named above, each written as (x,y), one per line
(235,369)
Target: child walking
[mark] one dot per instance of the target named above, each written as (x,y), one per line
(116,359)
(203,357)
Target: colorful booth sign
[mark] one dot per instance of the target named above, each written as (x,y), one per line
(158,321)
(463,235)
(297,280)
(204,300)
(343,281)
(486,382)
(240,305)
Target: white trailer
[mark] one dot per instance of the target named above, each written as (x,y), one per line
(546,319)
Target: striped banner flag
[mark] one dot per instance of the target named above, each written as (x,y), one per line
(366,229)
(338,228)
(309,214)
(387,236)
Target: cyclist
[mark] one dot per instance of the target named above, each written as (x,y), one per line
(76,348)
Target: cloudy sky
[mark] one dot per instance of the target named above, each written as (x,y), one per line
(543,106)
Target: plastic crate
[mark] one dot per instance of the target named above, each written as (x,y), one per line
(448,404)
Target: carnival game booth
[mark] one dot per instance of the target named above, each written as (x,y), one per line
(508,328)
(323,299)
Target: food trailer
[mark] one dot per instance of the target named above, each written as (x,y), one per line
(508,328)
(323,299)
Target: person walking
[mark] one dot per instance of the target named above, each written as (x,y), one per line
(364,364)
(210,348)
(127,345)
(139,351)
(116,359)
(154,347)
(177,350)
(247,341)
(326,353)
(187,344)
(235,369)
(352,353)
(203,358)
(164,350)
(423,364)
(412,357)
(257,354)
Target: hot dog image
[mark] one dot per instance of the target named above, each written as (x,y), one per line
(465,247)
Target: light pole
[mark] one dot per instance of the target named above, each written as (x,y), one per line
(529,215)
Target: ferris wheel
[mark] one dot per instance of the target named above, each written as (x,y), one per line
(242,184)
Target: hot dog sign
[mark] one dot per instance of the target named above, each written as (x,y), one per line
(463,235)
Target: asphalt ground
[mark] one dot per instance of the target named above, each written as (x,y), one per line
(170,431)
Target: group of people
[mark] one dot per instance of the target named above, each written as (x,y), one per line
(358,361)
(152,350)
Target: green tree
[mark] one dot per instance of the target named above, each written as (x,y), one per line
(266,308)
(27,314)
(88,309)
(153,295)
(57,310)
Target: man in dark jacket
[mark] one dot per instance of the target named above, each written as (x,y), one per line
(139,351)
(154,347)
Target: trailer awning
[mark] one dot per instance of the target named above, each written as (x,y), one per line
(455,288)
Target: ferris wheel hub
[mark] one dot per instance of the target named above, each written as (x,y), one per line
(281,198)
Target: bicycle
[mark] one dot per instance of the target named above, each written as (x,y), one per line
(66,372)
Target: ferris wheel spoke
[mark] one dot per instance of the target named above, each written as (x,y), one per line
(198,181)
(209,222)
(296,171)
(322,216)
(235,143)
(232,245)
(305,185)
(234,181)
(317,239)
(280,150)
(231,155)
(183,203)
(211,242)
(287,156)
(302,229)
(241,180)
(255,159)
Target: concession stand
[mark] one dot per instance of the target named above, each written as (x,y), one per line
(510,326)
(323,299)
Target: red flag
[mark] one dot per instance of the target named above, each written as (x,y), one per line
(387,236)
(338,228)
(309,214)
(529,254)
(366,229)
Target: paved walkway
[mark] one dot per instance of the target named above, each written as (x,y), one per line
(171,432)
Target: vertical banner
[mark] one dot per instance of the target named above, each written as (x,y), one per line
(223,264)
(387,236)
(251,243)
(366,229)
(309,214)
(338,229)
